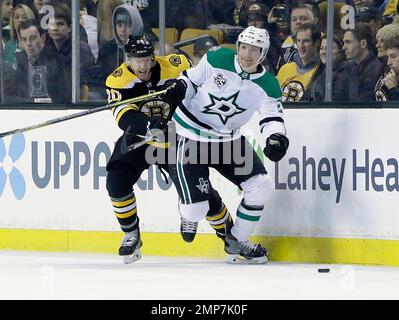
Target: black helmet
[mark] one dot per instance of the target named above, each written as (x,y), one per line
(139,46)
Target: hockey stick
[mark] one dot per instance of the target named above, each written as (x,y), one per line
(83,113)
(149,137)
(189,41)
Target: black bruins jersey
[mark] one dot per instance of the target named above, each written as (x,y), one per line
(380,90)
(123,84)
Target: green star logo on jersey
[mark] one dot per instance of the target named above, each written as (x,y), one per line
(203,185)
(225,108)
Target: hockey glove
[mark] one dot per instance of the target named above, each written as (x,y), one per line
(276,147)
(175,92)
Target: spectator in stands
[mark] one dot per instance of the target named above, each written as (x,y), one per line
(279,21)
(60,46)
(383,35)
(339,78)
(359,4)
(300,14)
(242,7)
(391,80)
(363,66)
(370,16)
(296,78)
(6,12)
(20,13)
(111,54)
(257,16)
(89,23)
(39,75)
(91,7)
(202,46)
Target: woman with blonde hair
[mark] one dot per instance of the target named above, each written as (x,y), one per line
(383,36)
(20,13)
(384,33)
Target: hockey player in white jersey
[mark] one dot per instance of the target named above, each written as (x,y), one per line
(217,97)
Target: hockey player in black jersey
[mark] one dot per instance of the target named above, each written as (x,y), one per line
(143,73)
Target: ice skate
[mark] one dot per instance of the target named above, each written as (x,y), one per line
(188,229)
(244,252)
(130,247)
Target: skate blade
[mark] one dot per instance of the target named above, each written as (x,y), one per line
(237,259)
(132,257)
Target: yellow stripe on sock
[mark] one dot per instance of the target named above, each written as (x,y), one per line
(127,214)
(219,216)
(220,226)
(123,203)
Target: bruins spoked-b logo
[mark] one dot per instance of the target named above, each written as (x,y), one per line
(155,108)
(175,60)
(293,91)
(117,73)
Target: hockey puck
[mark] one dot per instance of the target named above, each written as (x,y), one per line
(323,270)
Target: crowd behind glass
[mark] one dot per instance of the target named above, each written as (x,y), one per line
(37,44)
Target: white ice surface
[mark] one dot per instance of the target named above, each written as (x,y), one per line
(36,275)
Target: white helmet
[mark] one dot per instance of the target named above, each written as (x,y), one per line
(256,37)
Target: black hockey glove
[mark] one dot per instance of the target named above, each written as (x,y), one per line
(176,91)
(276,147)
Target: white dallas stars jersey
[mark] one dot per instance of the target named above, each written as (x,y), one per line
(221,98)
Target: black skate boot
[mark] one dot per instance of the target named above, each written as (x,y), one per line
(130,247)
(244,252)
(188,229)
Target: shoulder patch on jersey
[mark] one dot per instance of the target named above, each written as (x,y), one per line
(270,85)
(172,65)
(175,60)
(121,78)
(222,58)
(117,73)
